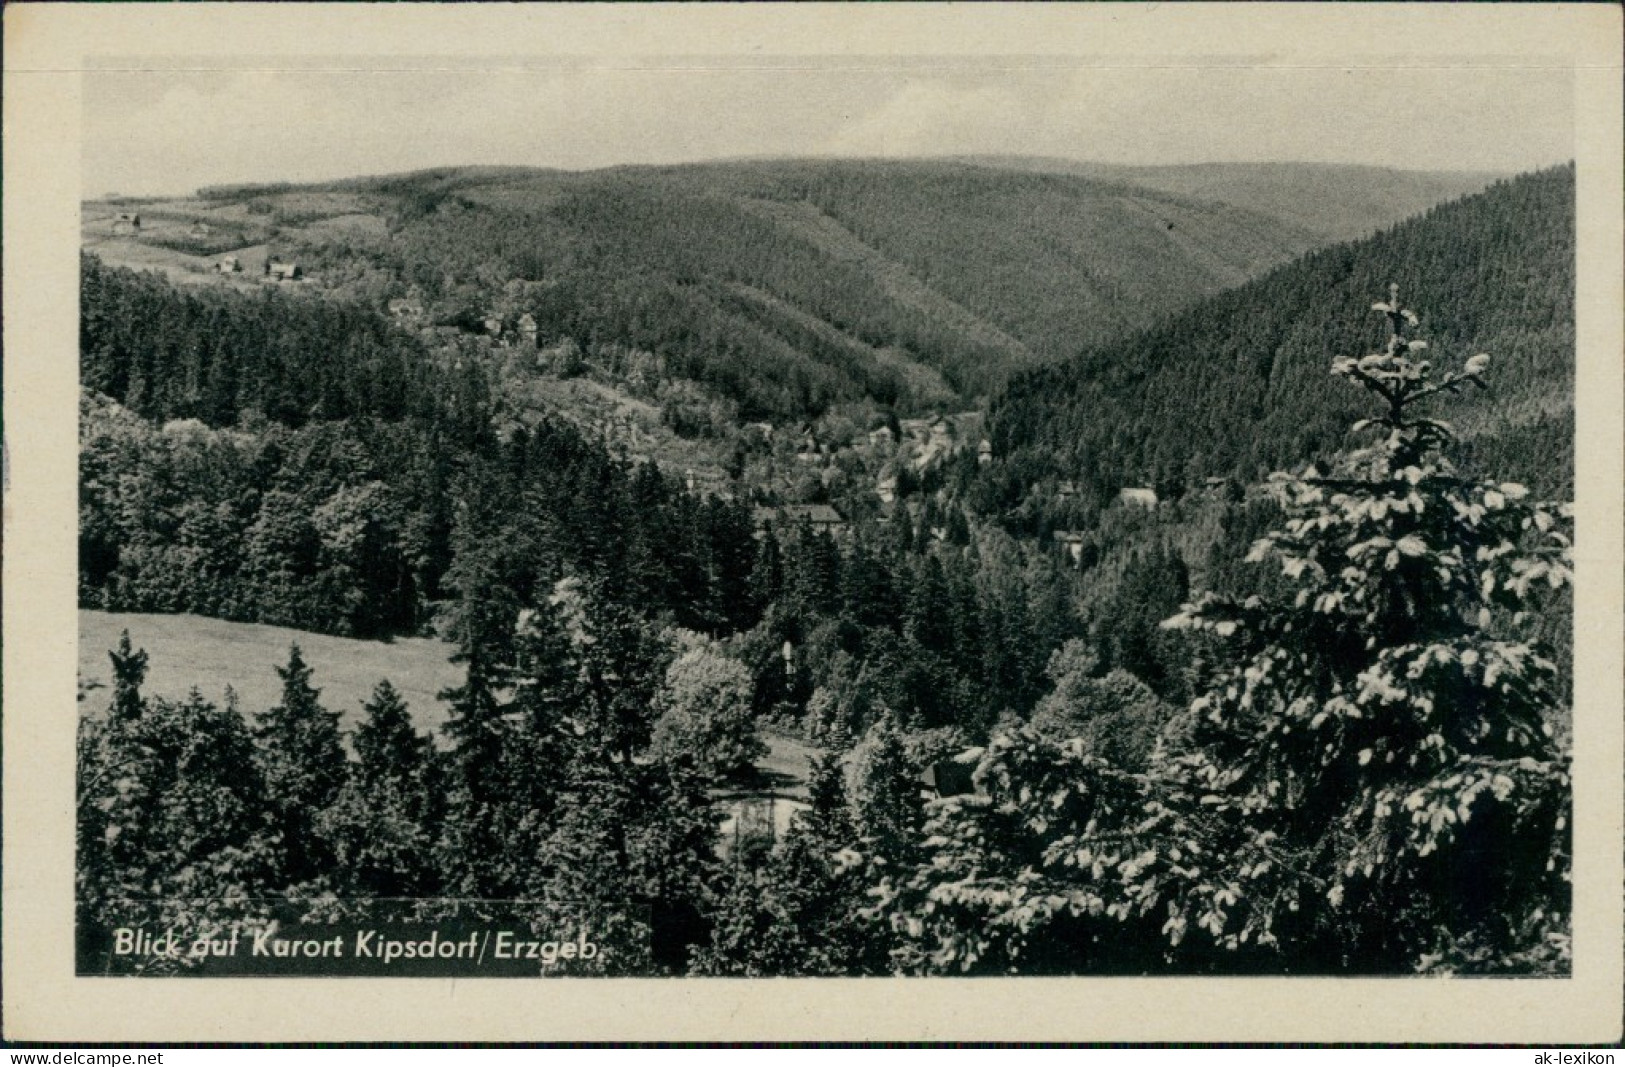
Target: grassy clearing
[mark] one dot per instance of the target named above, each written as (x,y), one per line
(186,650)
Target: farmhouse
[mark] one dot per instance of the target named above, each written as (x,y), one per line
(1141,498)
(126,222)
(283,271)
(229,265)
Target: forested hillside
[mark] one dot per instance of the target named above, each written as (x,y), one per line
(1065,729)
(1337,202)
(1237,386)
(286,460)
(784,286)
(229,468)
(626,634)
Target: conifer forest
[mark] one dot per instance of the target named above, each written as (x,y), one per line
(849,568)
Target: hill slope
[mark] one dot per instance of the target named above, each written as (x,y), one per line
(1336,202)
(1238,385)
(966,272)
(786,286)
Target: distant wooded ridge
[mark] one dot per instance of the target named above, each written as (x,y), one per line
(788,286)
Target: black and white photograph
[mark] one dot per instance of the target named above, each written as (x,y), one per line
(822,514)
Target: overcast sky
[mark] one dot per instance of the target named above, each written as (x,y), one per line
(170,131)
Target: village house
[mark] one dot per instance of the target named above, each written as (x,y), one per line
(984,452)
(1071,543)
(190,429)
(229,265)
(200,229)
(715,489)
(886,487)
(949,778)
(820,517)
(882,437)
(916,429)
(126,222)
(406,308)
(1066,490)
(1138,497)
(527,329)
(707,483)
(942,432)
(810,450)
(283,271)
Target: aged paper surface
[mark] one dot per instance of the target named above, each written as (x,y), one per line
(47,47)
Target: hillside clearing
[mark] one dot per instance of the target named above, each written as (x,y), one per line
(187,650)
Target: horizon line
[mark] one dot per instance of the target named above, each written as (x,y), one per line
(988,160)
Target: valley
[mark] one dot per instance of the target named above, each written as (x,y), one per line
(898,520)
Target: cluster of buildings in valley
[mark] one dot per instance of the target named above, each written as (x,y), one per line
(896,455)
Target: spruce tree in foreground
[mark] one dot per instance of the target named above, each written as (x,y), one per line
(1368,783)
(301,757)
(129,671)
(384,822)
(1380,748)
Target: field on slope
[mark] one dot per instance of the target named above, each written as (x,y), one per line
(187,650)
